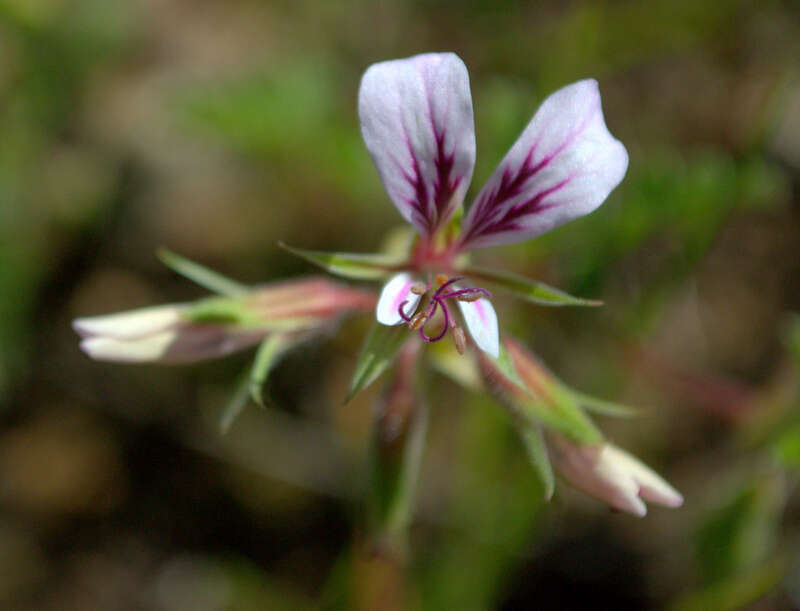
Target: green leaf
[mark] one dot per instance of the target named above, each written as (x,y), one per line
(211,280)
(530,290)
(379,351)
(269,353)
(603,407)
(531,437)
(349,265)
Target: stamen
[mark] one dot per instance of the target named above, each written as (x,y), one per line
(417,321)
(460,339)
(445,326)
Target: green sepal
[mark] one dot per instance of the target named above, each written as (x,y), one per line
(235,405)
(560,410)
(563,414)
(445,359)
(222,311)
(527,289)
(269,353)
(603,407)
(209,279)
(379,350)
(349,265)
(536,449)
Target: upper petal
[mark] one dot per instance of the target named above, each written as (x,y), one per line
(416,119)
(563,166)
(394,293)
(481,321)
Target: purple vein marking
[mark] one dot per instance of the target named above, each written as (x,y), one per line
(429,211)
(490,215)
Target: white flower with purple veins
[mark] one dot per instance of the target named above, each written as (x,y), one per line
(416,119)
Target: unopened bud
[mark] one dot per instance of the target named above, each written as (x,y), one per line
(612,475)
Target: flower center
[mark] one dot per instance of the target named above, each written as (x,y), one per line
(444,292)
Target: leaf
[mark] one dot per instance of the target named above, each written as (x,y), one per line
(603,407)
(530,290)
(379,351)
(269,353)
(531,437)
(349,265)
(209,279)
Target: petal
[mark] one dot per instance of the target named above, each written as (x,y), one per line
(481,320)
(416,119)
(652,487)
(131,324)
(183,345)
(394,293)
(563,166)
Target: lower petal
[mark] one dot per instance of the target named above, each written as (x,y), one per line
(481,321)
(394,293)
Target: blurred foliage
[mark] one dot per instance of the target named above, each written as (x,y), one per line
(219,128)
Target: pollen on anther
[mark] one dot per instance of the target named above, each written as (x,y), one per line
(441,279)
(419,288)
(470,297)
(417,321)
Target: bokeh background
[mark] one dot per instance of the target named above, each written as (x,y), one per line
(217,128)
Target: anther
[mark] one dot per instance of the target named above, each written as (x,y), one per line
(441,279)
(419,288)
(417,321)
(470,297)
(460,339)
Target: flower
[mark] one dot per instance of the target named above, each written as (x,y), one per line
(417,123)
(218,326)
(610,474)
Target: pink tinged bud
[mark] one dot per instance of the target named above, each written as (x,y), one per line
(612,475)
(216,327)
(160,335)
(132,324)
(308,298)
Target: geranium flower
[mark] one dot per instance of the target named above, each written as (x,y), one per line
(416,120)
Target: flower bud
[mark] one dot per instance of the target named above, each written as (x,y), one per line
(611,475)
(218,326)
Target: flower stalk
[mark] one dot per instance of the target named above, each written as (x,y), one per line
(400,420)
